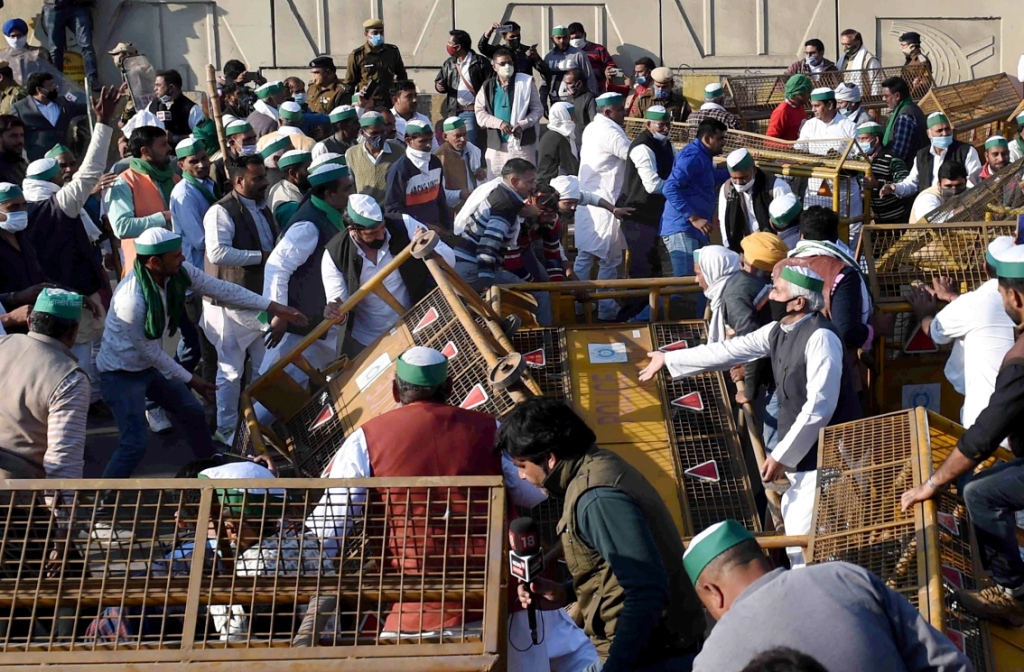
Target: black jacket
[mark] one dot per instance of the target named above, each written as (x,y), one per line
(40,134)
(480,70)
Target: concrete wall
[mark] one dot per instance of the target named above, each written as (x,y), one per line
(706,36)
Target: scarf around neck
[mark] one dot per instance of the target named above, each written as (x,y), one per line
(162,177)
(155,315)
(717,264)
(210,196)
(892,121)
(332,215)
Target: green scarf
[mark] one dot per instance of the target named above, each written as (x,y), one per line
(175,288)
(333,215)
(210,196)
(892,121)
(162,177)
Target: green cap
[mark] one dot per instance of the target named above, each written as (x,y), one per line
(57,150)
(609,99)
(872,127)
(798,84)
(206,132)
(739,159)
(417,127)
(996,141)
(343,113)
(295,157)
(371,119)
(364,211)
(823,93)
(327,173)
(253,503)
(784,210)
(9,192)
(710,544)
(269,89)
(713,91)
(44,169)
(156,241)
(936,118)
(290,110)
(188,147)
(59,303)
(1010,262)
(453,123)
(422,366)
(657,113)
(996,248)
(237,126)
(559,30)
(281,144)
(803,277)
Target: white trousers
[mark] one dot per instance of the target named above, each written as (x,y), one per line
(320,354)
(798,509)
(234,334)
(607,269)
(563,647)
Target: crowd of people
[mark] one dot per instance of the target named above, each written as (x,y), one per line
(241,249)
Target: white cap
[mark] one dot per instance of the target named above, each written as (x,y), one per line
(417,355)
(237,470)
(322,159)
(737,157)
(1000,245)
(40,167)
(849,93)
(781,205)
(714,90)
(155,236)
(368,208)
(291,106)
(142,118)
(567,186)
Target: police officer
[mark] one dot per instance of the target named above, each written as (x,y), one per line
(374,62)
(324,91)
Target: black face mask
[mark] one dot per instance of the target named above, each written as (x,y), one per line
(778,309)
(375,244)
(51,95)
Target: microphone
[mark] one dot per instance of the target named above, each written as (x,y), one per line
(525,561)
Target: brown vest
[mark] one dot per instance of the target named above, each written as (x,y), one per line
(31,366)
(431,439)
(598,592)
(454,167)
(148,200)
(247,237)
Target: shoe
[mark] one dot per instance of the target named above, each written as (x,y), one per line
(158,422)
(99,409)
(225,437)
(994,603)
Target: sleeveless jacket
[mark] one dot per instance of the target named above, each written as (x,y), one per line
(63,248)
(19,269)
(433,439)
(247,237)
(647,208)
(925,161)
(306,286)
(174,117)
(736,224)
(598,592)
(148,200)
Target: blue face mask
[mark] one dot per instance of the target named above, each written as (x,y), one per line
(942,142)
(845,111)
(661,94)
(376,40)
(866,147)
(641,80)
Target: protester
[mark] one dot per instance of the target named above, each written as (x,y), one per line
(952,181)
(289,126)
(265,116)
(714,108)
(461,161)
(784,214)
(813,62)
(789,116)
(525,59)
(415,182)
(997,156)
(284,198)
(460,79)
(581,98)
(562,58)
(45,114)
(943,146)
(371,159)
(886,168)
(856,57)
(600,60)
(405,109)
(746,198)
(345,120)
(12,145)
(906,132)
(374,65)
(508,109)
(16,35)
(848,97)
(1017,146)
(544,231)
(638,85)
(559,149)
(713,266)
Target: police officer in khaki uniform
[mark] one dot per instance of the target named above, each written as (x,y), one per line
(374,62)
(10,92)
(324,91)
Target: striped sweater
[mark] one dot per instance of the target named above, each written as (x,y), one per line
(550,235)
(490,230)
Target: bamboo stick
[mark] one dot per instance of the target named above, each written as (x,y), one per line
(218,114)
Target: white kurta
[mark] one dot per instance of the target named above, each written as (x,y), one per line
(604,151)
(851,204)
(779,188)
(911,183)
(983,334)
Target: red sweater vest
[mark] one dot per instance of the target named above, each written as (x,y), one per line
(431,439)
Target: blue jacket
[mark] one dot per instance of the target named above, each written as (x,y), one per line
(690,189)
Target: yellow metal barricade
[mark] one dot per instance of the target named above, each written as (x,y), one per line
(997,199)
(252,574)
(977,108)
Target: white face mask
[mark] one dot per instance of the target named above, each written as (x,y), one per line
(579,43)
(247,150)
(417,154)
(16,42)
(744,188)
(15,221)
(660,136)
(506,71)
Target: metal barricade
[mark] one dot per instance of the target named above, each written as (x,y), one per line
(219,574)
(977,108)
(996,199)
(863,469)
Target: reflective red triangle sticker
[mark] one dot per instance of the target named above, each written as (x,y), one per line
(536,358)
(428,319)
(919,342)
(672,347)
(957,638)
(949,523)
(450,350)
(476,397)
(954,576)
(325,414)
(691,402)
(705,471)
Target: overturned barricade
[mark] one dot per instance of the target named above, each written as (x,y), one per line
(999,198)
(977,108)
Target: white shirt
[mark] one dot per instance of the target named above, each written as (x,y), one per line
(840,128)
(330,518)
(604,151)
(779,188)
(823,355)
(220,232)
(51,111)
(125,346)
(984,333)
(293,250)
(465,96)
(373,316)
(924,203)
(910,183)
(400,127)
(647,167)
(386,149)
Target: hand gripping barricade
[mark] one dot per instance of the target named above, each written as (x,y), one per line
(754,96)
(897,257)
(225,574)
(831,169)
(1000,198)
(863,469)
(977,108)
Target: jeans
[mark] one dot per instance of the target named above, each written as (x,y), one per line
(56,21)
(468,271)
(644,262)
(126,392)
(189,348)
(993,497)
(681,247)
(607,269)
(681,663)
(471,128)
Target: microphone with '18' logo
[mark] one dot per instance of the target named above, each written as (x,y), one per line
(525,560)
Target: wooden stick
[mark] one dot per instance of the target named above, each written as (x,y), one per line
(218,114)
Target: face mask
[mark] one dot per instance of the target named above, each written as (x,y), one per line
(512,41)
(375,141)
(51,95)
(813,61)
(376,40)
(450,49)
(866,147)
(852,49)
(661,94)
(845,111)
(779,309)
(942,141)
(579,43)
(417,154)
(165,99)
(247,150)
(16,42)
(660,136)
(641,80)
(744,188)
(947,192)
(299,98)
(907,50)
(375,244)
(15,222)
(506,71)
